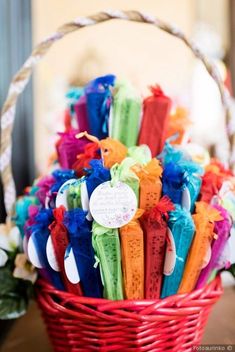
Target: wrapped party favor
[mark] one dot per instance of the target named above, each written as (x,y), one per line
(180,236)
(205,219)
(155,120)
(132,249)
(62,177)
(80,109)
(106,245)
(99,98)
(112,151)
(39,235)
(44,185)
(80,238)
(172,154)
(212,180)
(154,224)
(178,126)
(182,182)
(150,184)
(123,172)
(141,154)
(222,230)
(74,195)
(126,114)
(97,174)
(60,241)
(91,151)
(68,147)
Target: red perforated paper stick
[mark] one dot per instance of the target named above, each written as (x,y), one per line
(155,244)
(155,121)
(60,242)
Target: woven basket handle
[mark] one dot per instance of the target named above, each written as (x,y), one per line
(23,75)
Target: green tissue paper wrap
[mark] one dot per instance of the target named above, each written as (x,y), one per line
(122,172)
(141,154)
(126,114)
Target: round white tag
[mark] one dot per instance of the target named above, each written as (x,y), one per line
(33,253)
(113,207)
(61,197)
(70,266)
(170,257)
(51,257)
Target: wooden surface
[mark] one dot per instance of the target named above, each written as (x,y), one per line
(28,333)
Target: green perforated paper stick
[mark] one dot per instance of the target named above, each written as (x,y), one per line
(107,249)
(126,114)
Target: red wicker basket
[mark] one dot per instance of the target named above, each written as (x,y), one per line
(85,324)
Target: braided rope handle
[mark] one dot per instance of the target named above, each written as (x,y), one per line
(22,77)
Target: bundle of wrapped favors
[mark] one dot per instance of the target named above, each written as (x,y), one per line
(131,209)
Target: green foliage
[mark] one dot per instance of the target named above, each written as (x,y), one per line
(232,270)
(14,293)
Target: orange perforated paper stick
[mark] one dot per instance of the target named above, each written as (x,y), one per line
(150,184)
(132,248)
(204,220)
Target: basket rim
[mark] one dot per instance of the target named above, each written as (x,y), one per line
(172,307)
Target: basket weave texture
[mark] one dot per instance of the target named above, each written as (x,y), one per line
(85,324)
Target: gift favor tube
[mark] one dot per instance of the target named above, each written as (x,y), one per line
(106,245)
(153,131)
(154,223)
(132,249)
(205,218)
(180,235)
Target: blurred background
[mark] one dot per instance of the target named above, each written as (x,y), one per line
(138,52)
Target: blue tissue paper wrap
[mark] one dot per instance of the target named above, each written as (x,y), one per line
(99,100)
(96,175)
(177,177)
(182,227)
(40,232)
(61,176)
(80,236)
(172,154)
